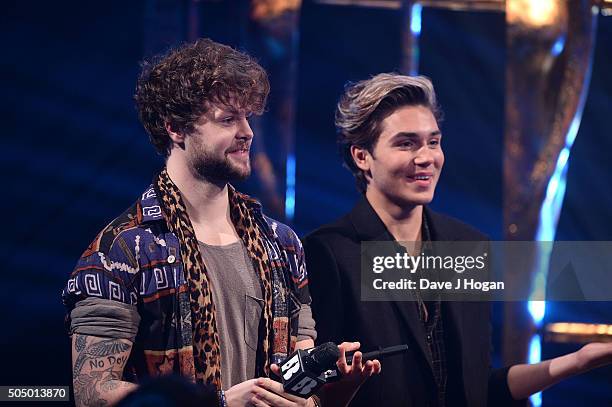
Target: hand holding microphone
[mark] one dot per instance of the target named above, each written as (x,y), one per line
(303,374)
(305,371)
(354,367)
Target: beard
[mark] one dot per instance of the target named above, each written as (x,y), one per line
(219,169)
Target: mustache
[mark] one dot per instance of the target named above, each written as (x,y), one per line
(245,145)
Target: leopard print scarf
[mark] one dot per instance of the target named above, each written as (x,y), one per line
(207,357)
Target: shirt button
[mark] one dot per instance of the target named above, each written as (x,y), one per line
(171,259)
(429,337)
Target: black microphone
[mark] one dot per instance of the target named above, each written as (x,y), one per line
(377,354)
(303,372)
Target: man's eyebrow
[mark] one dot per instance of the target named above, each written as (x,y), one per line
(234,111)
(409,134)
(228,110)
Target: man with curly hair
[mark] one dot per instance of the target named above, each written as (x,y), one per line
(194,279)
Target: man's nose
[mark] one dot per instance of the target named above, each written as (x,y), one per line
(244,129)
(424,157)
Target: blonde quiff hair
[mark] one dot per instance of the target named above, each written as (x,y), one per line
(365,104)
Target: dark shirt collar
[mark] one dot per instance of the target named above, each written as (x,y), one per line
(370,227)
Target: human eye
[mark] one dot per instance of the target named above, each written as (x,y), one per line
(405,143)
(434,142)
(229,119)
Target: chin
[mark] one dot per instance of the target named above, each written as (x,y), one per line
(238,169)
(240,174)
(416,200)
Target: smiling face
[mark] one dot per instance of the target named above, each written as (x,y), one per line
(218,148)
(405,163)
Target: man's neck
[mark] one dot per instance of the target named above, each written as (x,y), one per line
(403,222)
(207,204)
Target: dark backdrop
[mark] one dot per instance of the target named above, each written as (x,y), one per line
(75,156)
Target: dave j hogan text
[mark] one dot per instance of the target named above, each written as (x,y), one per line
(461,284)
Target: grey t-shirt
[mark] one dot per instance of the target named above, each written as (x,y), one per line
(238,299)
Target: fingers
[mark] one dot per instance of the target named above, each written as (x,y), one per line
(341,362)
(273,392)
(257,402)
(359,368)
(367,369)
(275,369)
(346,347)
(270,385)
(371,367)
(349,346)
(357,362)
(377,366)
(263,397)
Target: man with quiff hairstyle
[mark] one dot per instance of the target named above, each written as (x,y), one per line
(390,140)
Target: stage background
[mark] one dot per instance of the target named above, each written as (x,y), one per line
(74,154)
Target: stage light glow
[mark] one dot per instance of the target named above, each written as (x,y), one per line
(415,20)
(537,309)
(535,13)
(290,188)
(535,355)
(558,46)
(577,328)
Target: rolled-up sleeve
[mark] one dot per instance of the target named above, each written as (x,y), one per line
(101,294)
(306,324)
(104,318)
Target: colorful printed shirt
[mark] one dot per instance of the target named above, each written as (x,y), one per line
(135,264)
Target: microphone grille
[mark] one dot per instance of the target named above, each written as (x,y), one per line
(326,355)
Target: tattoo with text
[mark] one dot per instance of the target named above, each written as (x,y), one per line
(97,367)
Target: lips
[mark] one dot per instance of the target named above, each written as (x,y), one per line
(240,150)
(421,178)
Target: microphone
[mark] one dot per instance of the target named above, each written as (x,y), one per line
(303,372)
(377,354)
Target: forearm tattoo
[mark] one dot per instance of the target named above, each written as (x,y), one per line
(97,368)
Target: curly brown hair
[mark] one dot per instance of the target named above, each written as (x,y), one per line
(176,88)
(366,104)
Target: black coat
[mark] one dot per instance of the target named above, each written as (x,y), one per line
(333,265)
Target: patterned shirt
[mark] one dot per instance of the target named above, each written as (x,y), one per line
(135,262)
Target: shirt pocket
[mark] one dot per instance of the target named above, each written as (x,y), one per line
(253,308)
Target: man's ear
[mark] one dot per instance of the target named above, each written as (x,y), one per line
(361,157)
(176,137)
